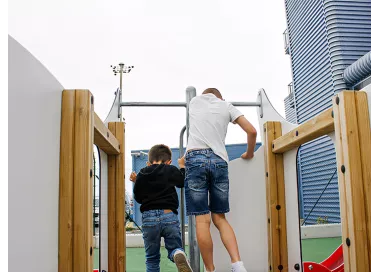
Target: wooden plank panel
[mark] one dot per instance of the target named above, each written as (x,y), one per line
(354,186)
(83,150)
(273,197)
(66,178)
(342,187)
(104,138)
(120,199)
(281,202)
(267,201)
(364,129)
(112,245)
(318,126)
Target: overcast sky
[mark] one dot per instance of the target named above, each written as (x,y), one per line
(235,46)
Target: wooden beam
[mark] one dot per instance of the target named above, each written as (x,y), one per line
(104,138)
(316,127)
(349,163)
(116,203)
(66,179)
(83,152)
(276,208)
(112,244)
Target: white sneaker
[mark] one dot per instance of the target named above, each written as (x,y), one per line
(181,262)
(238,267)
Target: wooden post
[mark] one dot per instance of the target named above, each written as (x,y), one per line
(83,176)
(362,112)
(342,188)
(281,202)
(120,199)
(112,257)
(350,167)
(116,179)
(75,196)
(276,208)
(66,178)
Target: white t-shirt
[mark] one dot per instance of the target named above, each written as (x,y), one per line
(209,118)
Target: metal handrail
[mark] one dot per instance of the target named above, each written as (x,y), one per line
(182,215)
(181,104)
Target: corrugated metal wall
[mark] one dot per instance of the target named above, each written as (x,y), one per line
(138,162)
(348,27)
(325,37)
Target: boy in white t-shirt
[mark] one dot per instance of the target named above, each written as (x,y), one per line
(206,181)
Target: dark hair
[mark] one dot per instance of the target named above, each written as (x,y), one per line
(213,91)
(160,153)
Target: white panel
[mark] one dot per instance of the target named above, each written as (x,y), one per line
(103,229)
(34,142)
(247,215)
(114,111)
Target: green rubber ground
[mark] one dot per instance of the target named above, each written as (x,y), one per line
(315,250)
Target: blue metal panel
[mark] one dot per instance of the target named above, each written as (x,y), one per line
(348,27)
(138,162)
(325,36)
(313,89)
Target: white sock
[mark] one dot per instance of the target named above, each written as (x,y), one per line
(236,266)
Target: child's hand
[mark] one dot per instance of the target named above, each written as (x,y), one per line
(132,177)
(247,156)
(181,162)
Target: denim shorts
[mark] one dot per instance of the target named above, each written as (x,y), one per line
(206,183)
(157,224)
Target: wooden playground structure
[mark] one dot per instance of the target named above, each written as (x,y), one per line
(81,128)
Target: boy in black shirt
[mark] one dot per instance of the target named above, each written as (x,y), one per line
(155,190)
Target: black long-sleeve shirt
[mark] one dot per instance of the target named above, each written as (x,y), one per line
(155,187)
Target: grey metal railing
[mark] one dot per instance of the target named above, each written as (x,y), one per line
(182,215)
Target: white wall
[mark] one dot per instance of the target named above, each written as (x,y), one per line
(34,139)
(247,216)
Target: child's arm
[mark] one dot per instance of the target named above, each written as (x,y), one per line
(137,188)
(251,136)
(177,177)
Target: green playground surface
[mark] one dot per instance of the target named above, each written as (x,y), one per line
(315,250)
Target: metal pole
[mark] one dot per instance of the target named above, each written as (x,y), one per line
(193,244)
(121,65)
(181,104)
(183,221)
(153,104)
(246,104)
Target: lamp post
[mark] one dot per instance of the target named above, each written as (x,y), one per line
(121,69)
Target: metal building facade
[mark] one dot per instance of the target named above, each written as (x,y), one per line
(324,38)
(139,160)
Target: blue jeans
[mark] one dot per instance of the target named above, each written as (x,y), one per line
(157,224)
(206,183)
